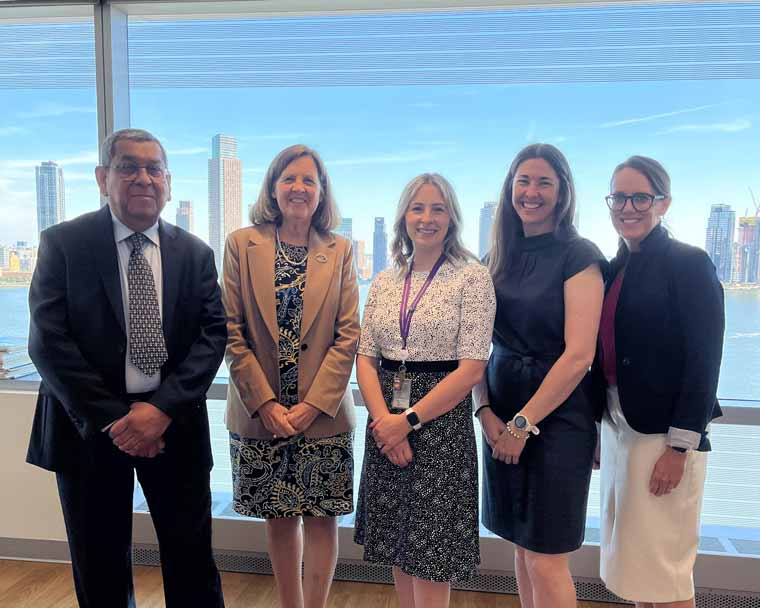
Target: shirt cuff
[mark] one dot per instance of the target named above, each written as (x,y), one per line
(683,438)
(477,409)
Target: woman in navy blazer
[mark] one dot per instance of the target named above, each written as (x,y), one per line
(661,339)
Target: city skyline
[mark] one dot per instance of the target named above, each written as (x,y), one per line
(736,261)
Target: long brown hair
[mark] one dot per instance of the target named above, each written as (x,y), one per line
(507,226)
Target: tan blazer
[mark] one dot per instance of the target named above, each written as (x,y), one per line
(329,331)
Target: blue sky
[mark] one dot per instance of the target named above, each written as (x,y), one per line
(609,82)
(374,139)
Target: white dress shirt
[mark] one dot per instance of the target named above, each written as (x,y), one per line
(136,381)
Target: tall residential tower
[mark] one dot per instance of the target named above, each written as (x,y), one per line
(185,215)
(225,193)
(487,214)
(719,243)
(379,246)
(51,205)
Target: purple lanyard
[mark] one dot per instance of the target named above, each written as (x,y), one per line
(405,316)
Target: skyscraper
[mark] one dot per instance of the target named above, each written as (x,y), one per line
(225,193)
(379,246)
(51,205)
(185,215)
(487,214)
(720,239)
(346,228)
(748,251)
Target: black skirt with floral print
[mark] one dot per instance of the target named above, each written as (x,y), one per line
(300,475)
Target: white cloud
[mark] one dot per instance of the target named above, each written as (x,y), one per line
(380,159)
(530,136)
(78,176)
(630,121)
(187,151)
(8,131)
(17,209)
(265,136)
(47,110)
(432,142)
(739,124)
(83,158)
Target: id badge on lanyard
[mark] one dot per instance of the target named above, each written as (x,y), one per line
(402,386)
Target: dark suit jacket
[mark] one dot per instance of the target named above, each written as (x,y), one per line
(77,340)
(669,326)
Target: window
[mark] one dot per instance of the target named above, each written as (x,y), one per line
(48,148)
(386,96)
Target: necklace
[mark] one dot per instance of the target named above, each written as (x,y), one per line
(281,249)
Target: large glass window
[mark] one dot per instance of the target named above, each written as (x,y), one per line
(48,148)
(384,97)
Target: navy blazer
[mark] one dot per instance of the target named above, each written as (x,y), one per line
(77,339)
(669,325)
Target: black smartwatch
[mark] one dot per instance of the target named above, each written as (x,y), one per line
(681,450)
(414,420)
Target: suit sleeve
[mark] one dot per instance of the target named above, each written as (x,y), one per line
(81,390)
(245,371)
(190,379)
(329,386)
(699,301)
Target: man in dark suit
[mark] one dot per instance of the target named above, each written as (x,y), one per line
(127,331)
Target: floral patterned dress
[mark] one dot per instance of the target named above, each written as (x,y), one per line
(299,475)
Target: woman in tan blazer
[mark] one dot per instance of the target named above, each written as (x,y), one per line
(290,290)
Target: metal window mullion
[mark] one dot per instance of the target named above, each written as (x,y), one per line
(112,70)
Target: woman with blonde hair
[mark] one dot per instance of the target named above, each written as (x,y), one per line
(424,344)
(291,295)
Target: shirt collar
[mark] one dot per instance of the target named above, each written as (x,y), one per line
(121,231)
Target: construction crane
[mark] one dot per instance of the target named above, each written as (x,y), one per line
(754,203)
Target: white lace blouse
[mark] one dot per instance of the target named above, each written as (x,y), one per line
(453,321)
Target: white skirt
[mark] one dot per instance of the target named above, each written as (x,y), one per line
(648,543)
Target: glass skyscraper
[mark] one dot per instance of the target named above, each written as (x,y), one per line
(51,204)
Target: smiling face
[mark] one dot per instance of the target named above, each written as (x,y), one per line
(427,218)
(298,191)
(535,192)
(139,199)
(634,226)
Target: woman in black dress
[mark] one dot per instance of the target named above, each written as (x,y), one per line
(537,420)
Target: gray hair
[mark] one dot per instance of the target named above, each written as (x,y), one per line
(139,135)
(402,247)
(266,210)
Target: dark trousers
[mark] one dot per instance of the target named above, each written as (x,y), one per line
(97,508)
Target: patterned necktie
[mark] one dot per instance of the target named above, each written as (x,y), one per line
(147,349)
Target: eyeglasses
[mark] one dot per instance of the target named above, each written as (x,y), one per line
(132,170)
(641,201)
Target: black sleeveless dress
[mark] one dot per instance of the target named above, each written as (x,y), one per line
(540,503)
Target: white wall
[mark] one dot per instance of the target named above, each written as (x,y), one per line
(29,508)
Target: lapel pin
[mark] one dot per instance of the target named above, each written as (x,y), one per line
(320,257)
